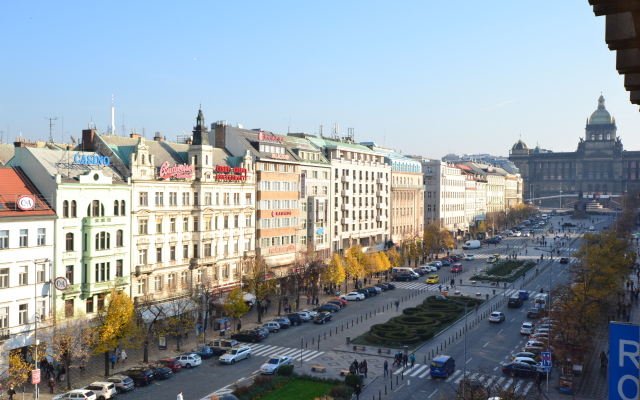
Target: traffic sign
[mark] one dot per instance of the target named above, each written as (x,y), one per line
(546,359)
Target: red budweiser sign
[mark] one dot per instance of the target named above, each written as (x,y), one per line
(266,136)
(177,171)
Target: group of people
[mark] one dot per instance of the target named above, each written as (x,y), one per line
(402,360)
(359,368)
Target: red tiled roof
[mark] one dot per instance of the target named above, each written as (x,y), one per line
(14,184)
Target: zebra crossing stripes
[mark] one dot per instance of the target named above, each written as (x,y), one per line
(296,354)
(520,386)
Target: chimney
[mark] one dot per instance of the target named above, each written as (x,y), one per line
(135,136)
(220,129)
(87,139)
(22,142)
(158,137)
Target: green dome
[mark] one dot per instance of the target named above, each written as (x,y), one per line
(601,116)
(520,145)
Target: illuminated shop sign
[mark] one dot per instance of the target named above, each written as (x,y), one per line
(280,213)
(177,171)
(225,173)
(91,160)
(266,136)
(291,247)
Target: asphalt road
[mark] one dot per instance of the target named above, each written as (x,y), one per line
(488,345)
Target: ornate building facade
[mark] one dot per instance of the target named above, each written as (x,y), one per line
(599,169)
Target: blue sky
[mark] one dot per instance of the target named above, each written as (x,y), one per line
(423,77)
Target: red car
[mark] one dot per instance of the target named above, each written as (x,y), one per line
(456,267)
(344,302)
(172,364)
(454,258)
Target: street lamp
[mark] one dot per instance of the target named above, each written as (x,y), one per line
(36,316)
(464,374)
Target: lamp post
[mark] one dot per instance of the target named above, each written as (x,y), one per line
(548,302)
(464,373)
(35,317)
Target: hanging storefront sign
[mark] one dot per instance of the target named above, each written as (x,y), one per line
(91,160)
(183,171)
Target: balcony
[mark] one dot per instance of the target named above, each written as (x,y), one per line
(104,221)
(381,193)
(121,280)
(345,221)
(251,253)
(346,178)
(347,192)
(381,218)
(144,269)
(381,205)
(381,180)
(347,207)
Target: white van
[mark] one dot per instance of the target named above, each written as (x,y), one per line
(545,216)
(471,244)
(402,270)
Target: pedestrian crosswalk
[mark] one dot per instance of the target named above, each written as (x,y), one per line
(518,385)
(296,354)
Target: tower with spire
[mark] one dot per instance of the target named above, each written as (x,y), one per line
(200,152)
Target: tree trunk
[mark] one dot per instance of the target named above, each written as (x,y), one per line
(68,374)
(145,353)
(106,363)
(178,338)
(259,312)
(279,307)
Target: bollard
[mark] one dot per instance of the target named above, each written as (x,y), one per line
(379,394)
(313,340)
(385,390)
(306,344)
(391,382)
(336,330)
(361,318)
(397,380)
(318,344)
(366,317)
(325,335)
(402,375)
(341,327)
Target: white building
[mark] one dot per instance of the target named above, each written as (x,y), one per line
(26,258)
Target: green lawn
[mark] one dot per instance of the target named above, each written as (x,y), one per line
(299,390)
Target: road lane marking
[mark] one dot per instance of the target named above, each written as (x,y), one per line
(456,372)
(419,370)
(423,375)
(500,331)
(469,360)
(514,318)
(399,387)
(485,345)
(434,392)
(527,388)
(312,357)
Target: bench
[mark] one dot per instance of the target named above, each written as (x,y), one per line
(478,294)
(473,282)
(359,348)
(465,295)
(457,293)
(494,283)
(319,369)
(385,351)
(344,372)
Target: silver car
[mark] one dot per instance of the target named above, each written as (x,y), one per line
(271,326)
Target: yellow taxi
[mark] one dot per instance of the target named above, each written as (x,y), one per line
(433,279)
(493,258)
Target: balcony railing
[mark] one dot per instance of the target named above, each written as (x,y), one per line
(347,192)
(347,207)
(346,178)
(346,220)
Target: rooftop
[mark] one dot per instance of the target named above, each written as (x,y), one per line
(14,185)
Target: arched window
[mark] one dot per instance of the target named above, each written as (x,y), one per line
(599,136)
(608,136)
(65,209)
(69,242)
(119,238)
(122,209)
(589,188)
(73,209)
(116,207)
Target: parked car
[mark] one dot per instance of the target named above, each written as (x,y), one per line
(535,345)
(496,316)
(521,369)
(527,328)
(102,390)
(523,354)
(433,279)
(140,378)
(436,264)
(305,317)
(456,267)
(262,330)
(122,383)
(171,363)
(274,363)
(382,286)
(272,326)
(527,360)
(249,335)
(322,317)
(189,360)
(446,263)
(222,345)
(235,354)
(365,292)
(372,291)
(77,394)
(419,271)
(312,314)
(328,307)
(204,352)
(295,318)
(353,296)
(283,322)
(342,301)
(159,371)
(390,286)
(454,258)
(534,313)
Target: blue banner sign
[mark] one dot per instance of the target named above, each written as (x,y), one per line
(91,160)
(623,361)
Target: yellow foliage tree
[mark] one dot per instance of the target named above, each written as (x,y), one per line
(19,369)
(234,305)
(431,238)
(334,272)
(257,282)
(446,240)
(352,266)
(385,264)
(371,264)
(115,325)
(395,258)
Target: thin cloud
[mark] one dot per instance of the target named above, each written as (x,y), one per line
(499,105)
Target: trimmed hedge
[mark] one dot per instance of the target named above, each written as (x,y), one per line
(411,310)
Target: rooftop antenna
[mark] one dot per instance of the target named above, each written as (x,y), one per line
(320,131)
(51,124)
(124,132)
(351,134)
(1,136)
(112,129)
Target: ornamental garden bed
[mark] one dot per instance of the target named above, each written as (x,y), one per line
(504,271)
(417,324)
(302,387)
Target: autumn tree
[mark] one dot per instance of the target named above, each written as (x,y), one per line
(354,262)
(431,238)
(385,264)
(19,369)
(445,239)
(70,340)
(334,273)
(395,258)
(371,264)
(258,282)
(149,314)
(116,325)
(235,306)
(181,312)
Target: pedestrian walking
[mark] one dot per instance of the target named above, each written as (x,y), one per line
(405,360)
(1,391)
(11,392)
(118,353)
(123,355)
(412,358)
(357,390)
(397,304)
(62,374)
(386,367)
(365,367)
(180,396)
(51,384)
(113,361)
(239,326)
(476,307)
